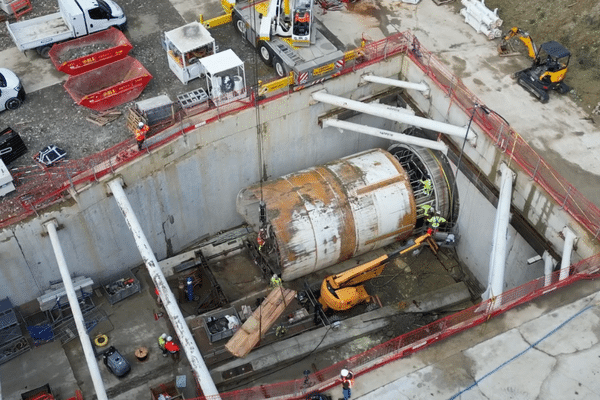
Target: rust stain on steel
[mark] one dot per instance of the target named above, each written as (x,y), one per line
(413,206)
(404,231)
(347,232)
(374,187)
(313,212)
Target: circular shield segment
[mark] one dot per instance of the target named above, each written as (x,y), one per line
(326,214)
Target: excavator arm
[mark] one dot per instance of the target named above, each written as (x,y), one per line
(343,291)
(505,48)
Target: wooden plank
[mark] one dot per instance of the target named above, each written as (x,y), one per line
(95,121)
(104,118)
(263,318)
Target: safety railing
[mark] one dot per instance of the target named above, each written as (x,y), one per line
(508,141)
(39,188)
(417,339)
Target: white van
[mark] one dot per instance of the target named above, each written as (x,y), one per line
(12,93)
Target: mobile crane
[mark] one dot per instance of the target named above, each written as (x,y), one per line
(282,33)
(548,69)
(343,291)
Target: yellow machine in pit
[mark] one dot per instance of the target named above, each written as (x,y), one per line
(343,291)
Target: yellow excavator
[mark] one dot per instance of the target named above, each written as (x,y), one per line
(550,63)
(343,291)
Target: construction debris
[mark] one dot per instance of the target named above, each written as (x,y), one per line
(331,5)
(103,118)
(248,336)
(440,2)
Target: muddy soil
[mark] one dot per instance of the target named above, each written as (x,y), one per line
(573,23)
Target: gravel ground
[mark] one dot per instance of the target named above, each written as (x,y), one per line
(50,116)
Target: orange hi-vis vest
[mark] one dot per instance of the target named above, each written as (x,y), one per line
(140,133)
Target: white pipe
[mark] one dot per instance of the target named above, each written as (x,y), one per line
(166,295)
(549,263)
(402,110)
(84,338)
(398,137)
(421,87)
(499,246)
(565,263)
(425,123)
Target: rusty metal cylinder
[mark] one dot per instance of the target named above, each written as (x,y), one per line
(329,213)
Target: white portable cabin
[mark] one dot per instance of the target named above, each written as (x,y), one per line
(225,77)
(186,46)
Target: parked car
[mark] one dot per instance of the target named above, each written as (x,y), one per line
(116,363)
(12,93)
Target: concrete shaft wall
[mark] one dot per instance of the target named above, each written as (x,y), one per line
(477,214)
(181,192)
(187,189)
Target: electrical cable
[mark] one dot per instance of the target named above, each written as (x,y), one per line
(290,363)
(261,163)
(462,149)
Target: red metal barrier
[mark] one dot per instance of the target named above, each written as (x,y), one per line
(35,195)
(20,8)
(110,85)
(508,141)
(81,55)
(417,339)
(38,189)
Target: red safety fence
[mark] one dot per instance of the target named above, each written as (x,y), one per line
(417,339)
(41,187)
(38,188)
(508,140)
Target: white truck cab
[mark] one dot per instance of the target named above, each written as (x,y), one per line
(76,18)
(12,93)
(89,16)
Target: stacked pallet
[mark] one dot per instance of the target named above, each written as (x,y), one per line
(248,336)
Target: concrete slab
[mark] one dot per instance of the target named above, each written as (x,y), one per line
(565,341)
(534,351)
(439,299)
(560,131)
(498,366)
(47,363)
